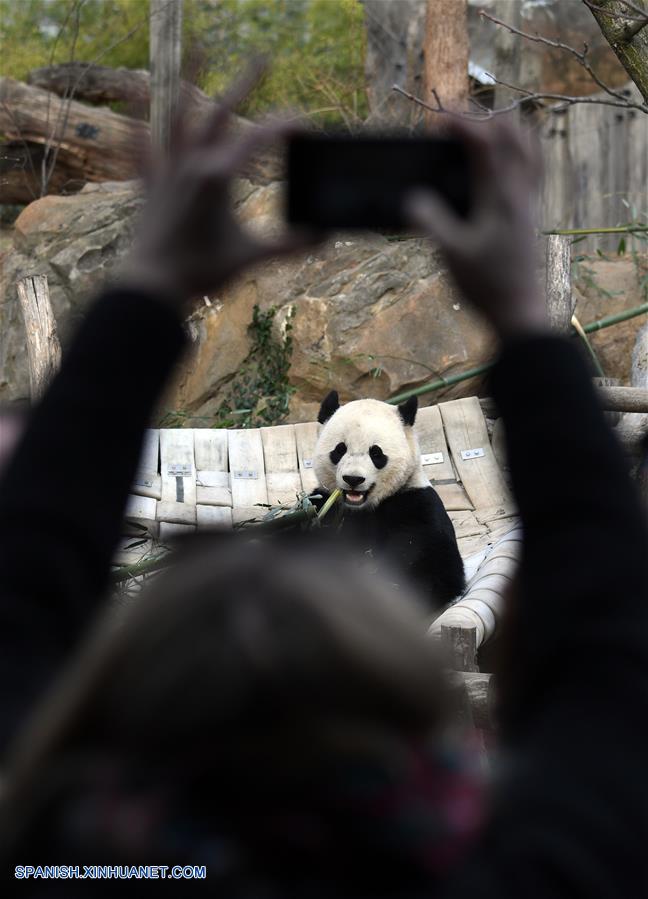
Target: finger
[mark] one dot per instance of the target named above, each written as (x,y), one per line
(427,211)
(259,137)
(233,97)
(217,162)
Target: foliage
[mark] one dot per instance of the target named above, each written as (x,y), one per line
(316,46)
(259,394)
(43,32)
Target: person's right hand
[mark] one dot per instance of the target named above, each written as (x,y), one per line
(189,241)
(491,253)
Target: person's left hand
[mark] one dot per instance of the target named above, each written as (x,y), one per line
(189,241)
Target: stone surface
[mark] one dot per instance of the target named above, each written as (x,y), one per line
(74,241)
(373,316)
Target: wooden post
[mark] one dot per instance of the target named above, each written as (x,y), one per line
(165,26)
(558,283)
(461,645)
(43,348)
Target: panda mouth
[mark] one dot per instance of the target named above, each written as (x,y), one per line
(356,498)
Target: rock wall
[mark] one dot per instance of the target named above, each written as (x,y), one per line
(372,316)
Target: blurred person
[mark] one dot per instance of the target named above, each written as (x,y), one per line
(266,709)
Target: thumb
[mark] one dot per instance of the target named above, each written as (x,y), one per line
(426,210)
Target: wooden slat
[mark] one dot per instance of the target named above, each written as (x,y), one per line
(177,448)
(212,476)
(453,497)
(466,525)
(178,513)
(242,514)
(465,429)
(431,439)
(306,435)
(140,511)
(147,480)
(428,428)
(282,475)
(248,477)
(213,517)
(212,496)
(169,530)
(210,449)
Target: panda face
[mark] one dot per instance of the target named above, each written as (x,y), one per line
(367,449)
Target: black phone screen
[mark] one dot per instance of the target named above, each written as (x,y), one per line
(342,182)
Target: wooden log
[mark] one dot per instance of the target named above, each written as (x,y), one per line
(481,606)
(613,399)
(43,347)
(103,84)
(20,174)
(560,304)
(93,144)
(165,26)
(94,84)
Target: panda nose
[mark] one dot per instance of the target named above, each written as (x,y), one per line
(353,480)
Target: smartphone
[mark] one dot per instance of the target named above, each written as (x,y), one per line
(345,182)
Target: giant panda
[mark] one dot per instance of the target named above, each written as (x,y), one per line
(369,450)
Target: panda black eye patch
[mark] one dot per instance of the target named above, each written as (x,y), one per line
(378,458)
(336,454)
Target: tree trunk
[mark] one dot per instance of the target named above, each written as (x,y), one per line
(88,144)
(395,34)
(446,54)
(91,144)
(101,84)
(630,45)
(43,347)
(20,174)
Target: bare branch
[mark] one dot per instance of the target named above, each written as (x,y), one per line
(568,100)
(582,58)
(528,97)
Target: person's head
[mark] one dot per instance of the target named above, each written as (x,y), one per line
(252,673)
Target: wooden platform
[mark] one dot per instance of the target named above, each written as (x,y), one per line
(193,479)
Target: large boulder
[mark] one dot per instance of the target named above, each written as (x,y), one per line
(372,315)
(73,240)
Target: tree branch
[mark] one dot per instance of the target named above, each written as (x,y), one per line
(582,58)
(629,43)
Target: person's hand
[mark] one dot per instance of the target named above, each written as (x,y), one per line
(189,241)
(491,253)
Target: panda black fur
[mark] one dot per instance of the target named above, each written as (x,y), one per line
(369,450)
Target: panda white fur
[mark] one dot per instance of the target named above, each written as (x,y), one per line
(369,450)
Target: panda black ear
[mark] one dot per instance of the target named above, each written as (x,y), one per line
(330,404)
(408,411)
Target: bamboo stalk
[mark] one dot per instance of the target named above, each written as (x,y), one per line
(576,325)
(599,325)
(619,229)
(330,502)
